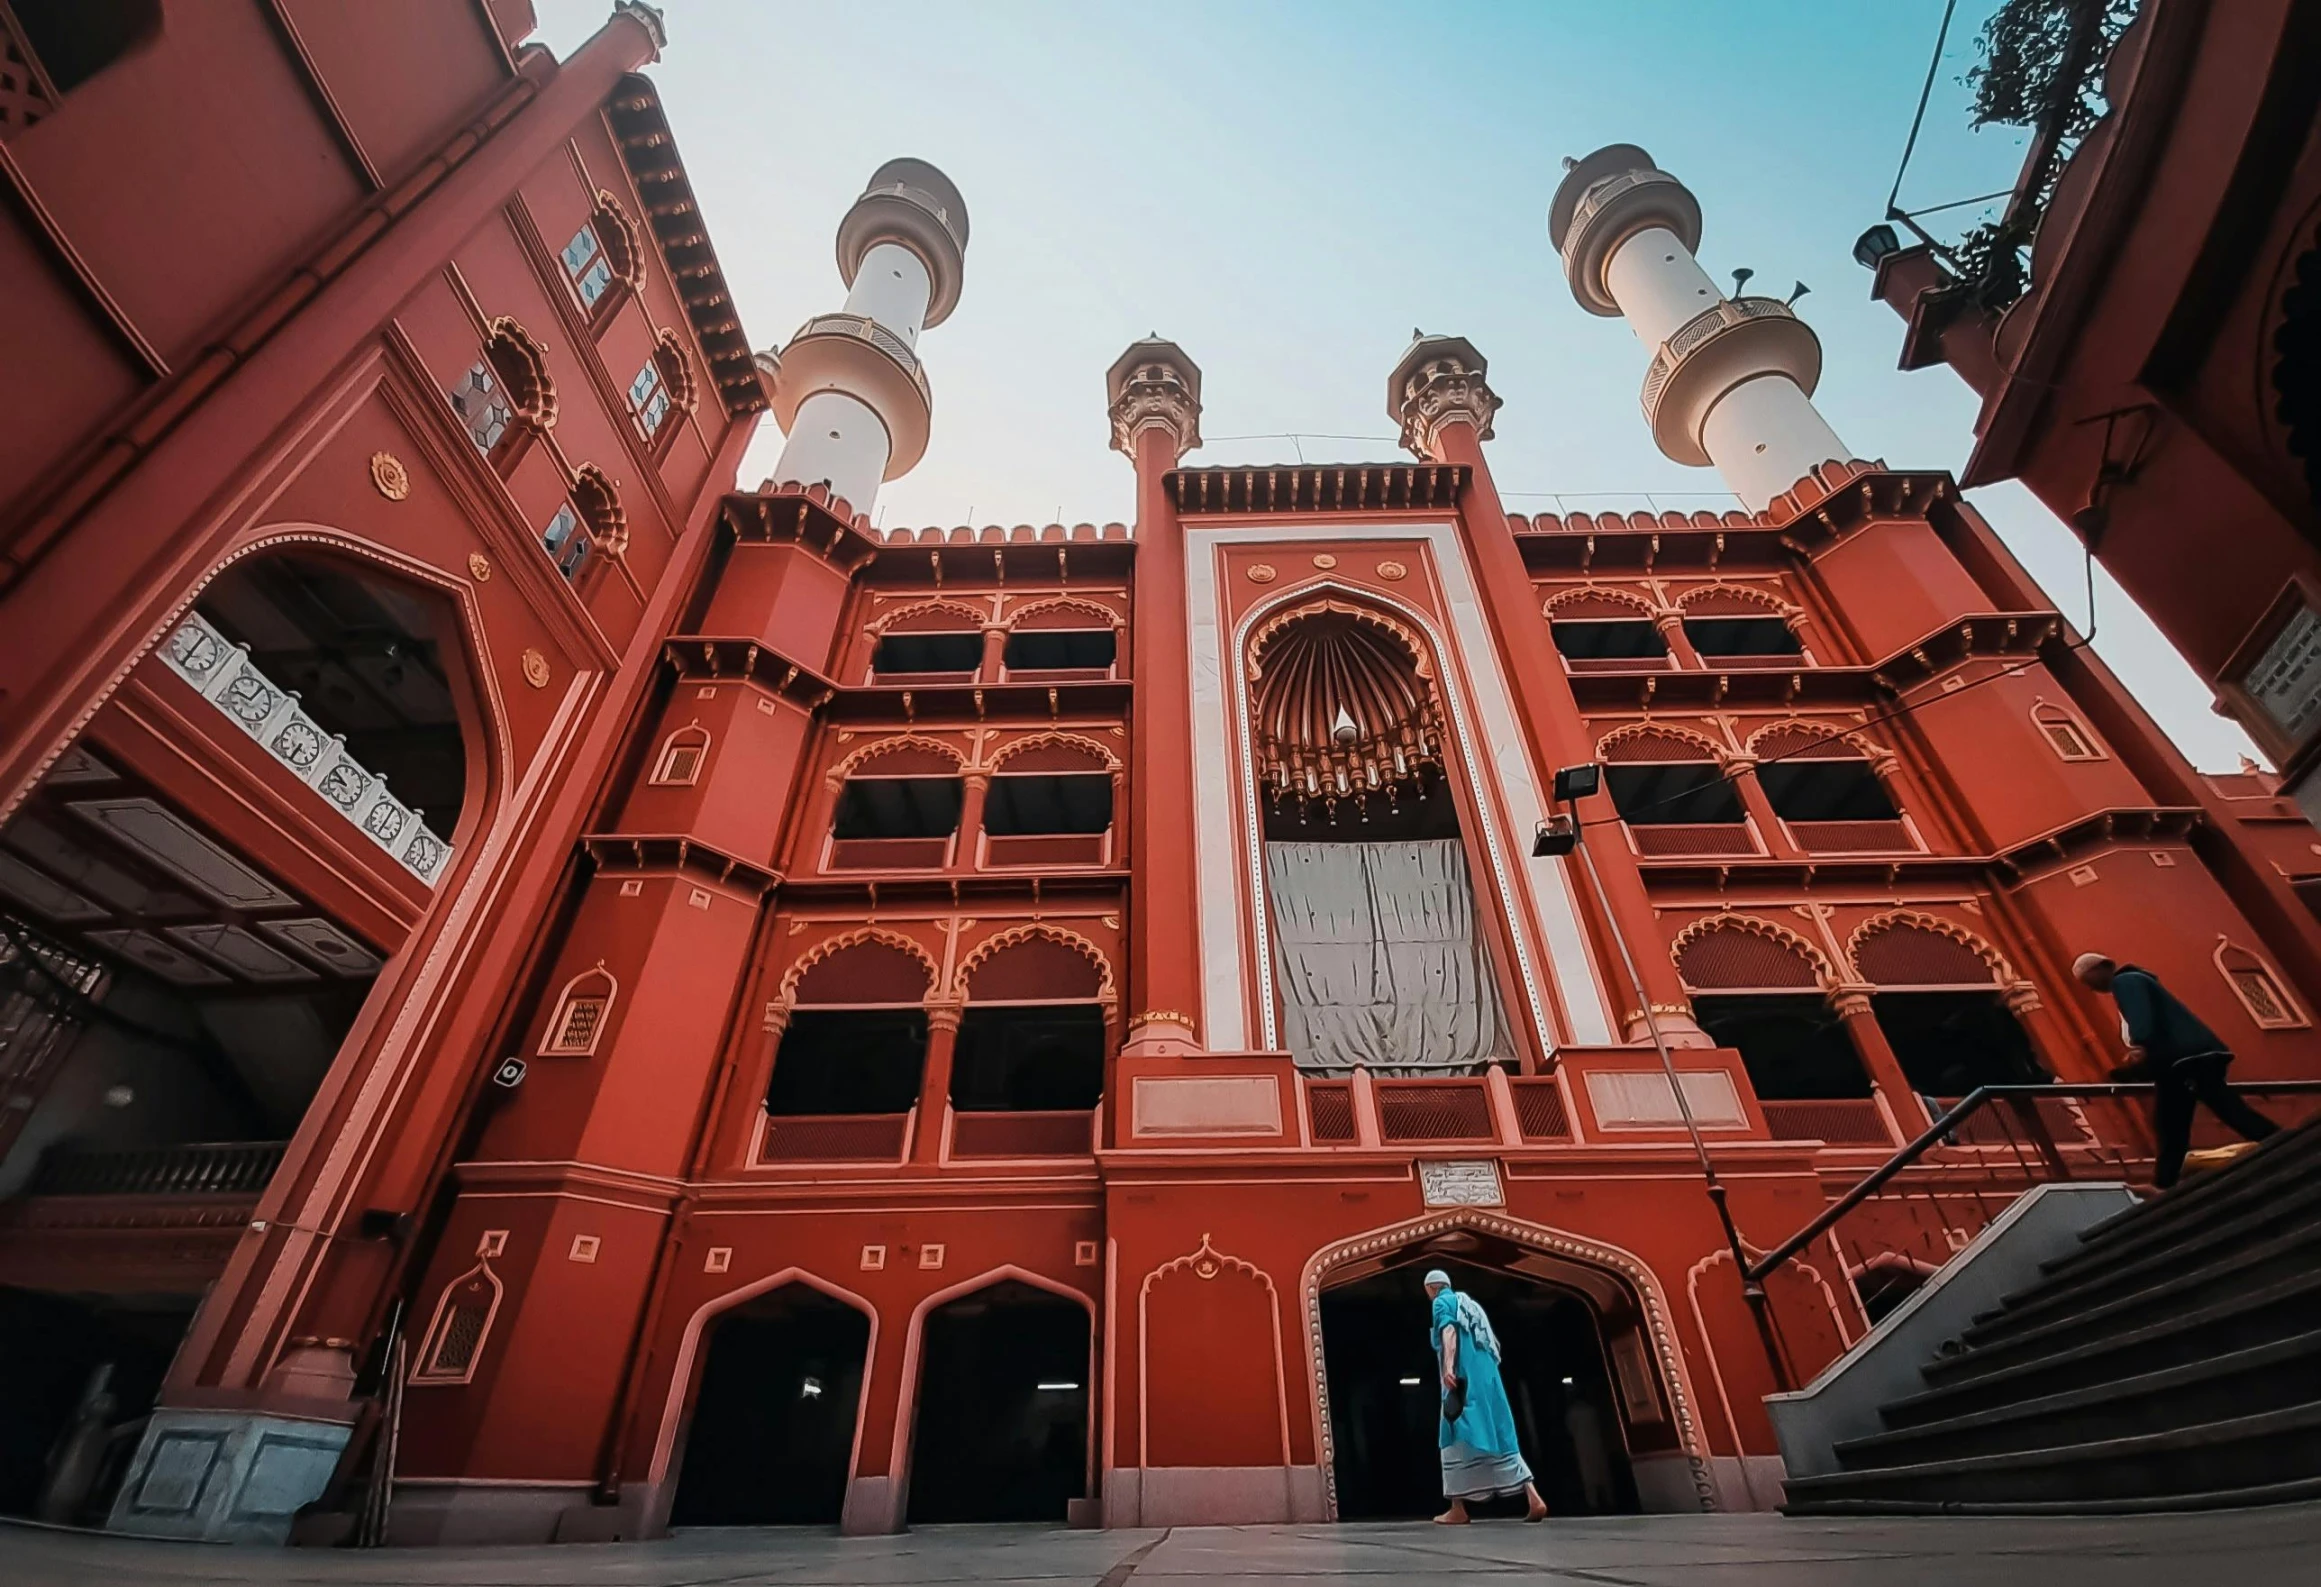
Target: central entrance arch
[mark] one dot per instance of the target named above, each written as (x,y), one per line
(1599,1393)
(773,1426)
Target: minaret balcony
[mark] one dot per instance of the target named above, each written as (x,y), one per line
(855,355)
(1708,355)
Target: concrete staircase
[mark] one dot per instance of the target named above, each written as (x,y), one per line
(2172,1361)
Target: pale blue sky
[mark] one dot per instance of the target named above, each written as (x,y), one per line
(1287,187)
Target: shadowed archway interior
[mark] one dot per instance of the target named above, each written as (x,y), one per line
(1001,1427)
(773,1417)
(1386,1394)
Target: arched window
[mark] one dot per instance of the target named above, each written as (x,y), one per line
(454,1341)
(852,1048)
(1738,625)
(1604,631)
(2260,991)
(1940,1000)
(935,640)
(580,1014)
(603,258)
(566,542)
(508,395)
(682,754)
(1671,790)
(1032,1040)
(601,514)
(1050,802)
(1062,638)
(1825,791)
(1758,989)
(898,806)
(2065,734)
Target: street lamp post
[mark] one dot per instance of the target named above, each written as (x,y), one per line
(1562,834)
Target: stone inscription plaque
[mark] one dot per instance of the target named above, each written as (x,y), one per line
(1461,1184)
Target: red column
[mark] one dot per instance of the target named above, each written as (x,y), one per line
(935,1081)
(1445,410)
(967,848)
(1155,391)
(1853,1007)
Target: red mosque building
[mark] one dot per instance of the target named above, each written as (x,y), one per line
(629,1002)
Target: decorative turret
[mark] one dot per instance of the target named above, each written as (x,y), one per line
(1731,378)
(850,392)
(1154,385)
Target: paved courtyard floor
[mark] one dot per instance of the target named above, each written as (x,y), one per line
(2243,1548)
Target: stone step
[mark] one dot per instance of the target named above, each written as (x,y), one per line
(2234,1454)
(2280,1311)
(2239,1383)
(2148,1262)
(2288,1155)
(2194,1277)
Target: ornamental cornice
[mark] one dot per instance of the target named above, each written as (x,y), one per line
(1156,394)
(1440,390)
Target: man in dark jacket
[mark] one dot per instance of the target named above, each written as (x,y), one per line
(2182,1058)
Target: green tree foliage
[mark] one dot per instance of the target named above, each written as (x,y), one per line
(2041,67)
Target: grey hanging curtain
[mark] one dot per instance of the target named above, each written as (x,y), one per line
(1378,960)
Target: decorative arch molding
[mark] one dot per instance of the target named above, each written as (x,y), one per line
(1205,1263)
(2262,993)
(673,1408)
(681,756)
(1651,1303)
(583,1008)
(914,1340)
(2001,973)
(1804,736)
(1822,974)
(1324,594)
(1053,739)
(453,1345)
(520,362)
(676,372)
(367,1078)
(1735,595)
(1107,989)
(623,242)
(858,937)
(855,761)
(1642,733)
(1104,616)
(598,501)
(1303,605)
(1584,603)
(969,617)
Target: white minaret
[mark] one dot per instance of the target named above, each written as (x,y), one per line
(1732,379)
(851,394)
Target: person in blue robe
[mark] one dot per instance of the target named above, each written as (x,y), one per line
(1479,1451)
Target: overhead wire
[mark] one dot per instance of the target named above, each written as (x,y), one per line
(1925,94)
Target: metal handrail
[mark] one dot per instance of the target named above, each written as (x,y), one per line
(1946,1126)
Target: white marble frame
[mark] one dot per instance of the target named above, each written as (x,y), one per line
(1554,908)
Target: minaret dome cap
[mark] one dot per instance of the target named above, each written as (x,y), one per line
(912,203)
(1604,199)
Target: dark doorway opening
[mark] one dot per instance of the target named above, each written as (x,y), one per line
(773,1419)
(1795,1048)
(1386,1396)
(84,1370)
(848,1060)
(1951,1042)
(1001,1429)
(1038,1058)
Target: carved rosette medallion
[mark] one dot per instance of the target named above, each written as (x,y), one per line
(1325,561)
(1393,572)
(1262,573)
(390,476)
(535,669)
(479,567)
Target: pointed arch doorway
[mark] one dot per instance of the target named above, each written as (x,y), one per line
(1577,1366)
